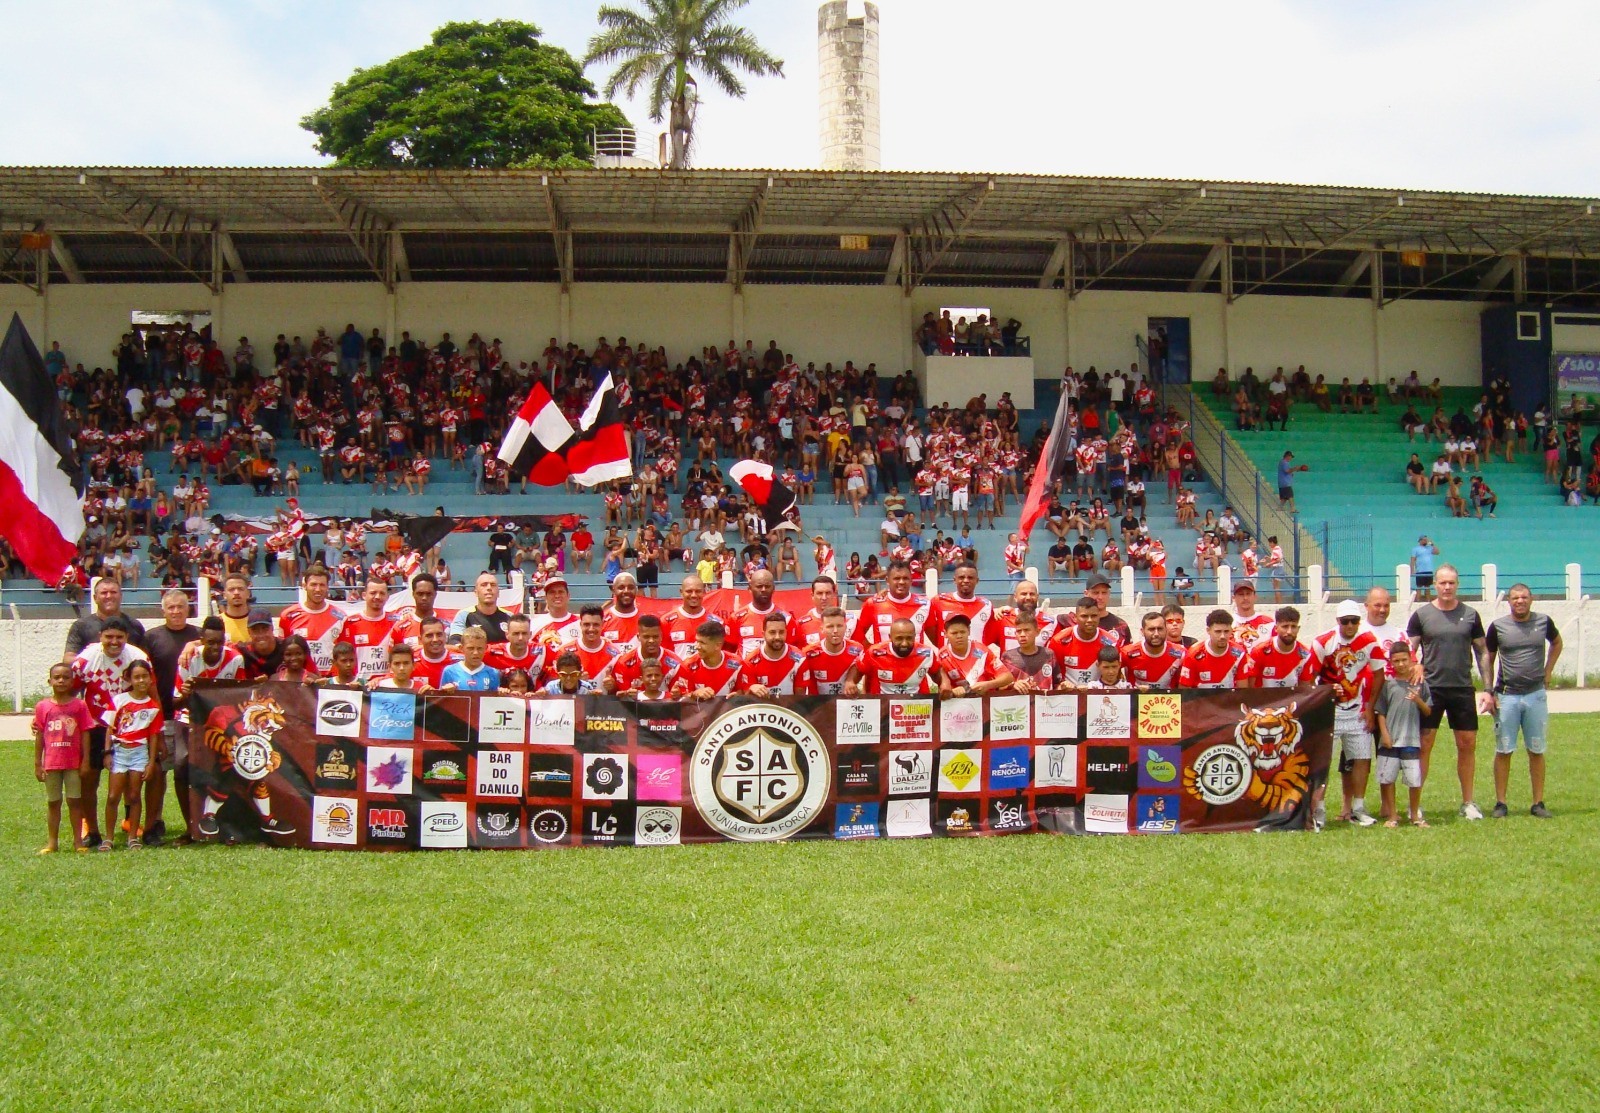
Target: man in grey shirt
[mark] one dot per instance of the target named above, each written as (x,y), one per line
(1449,635)
(1526,646)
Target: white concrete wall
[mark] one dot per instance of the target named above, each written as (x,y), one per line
(867,324)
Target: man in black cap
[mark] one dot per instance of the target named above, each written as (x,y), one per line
(263,653)
(1099,590)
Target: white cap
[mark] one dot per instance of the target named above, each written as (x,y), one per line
(1349,609)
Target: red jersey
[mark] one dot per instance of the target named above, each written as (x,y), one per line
(677,628)
(595,661)
(1153,670)
(533,662)
(372,638)
(1002,629)
(102,679)
(408,628)
(744,627)
(1079,660)
(981,663)
(1202,669)
(806,630)
(318,628)
(1355,669)
(620,629)
(429,669)
(630,667)
(192,666)
(1248,631)
(1267,666)
(978,609)
(132,722)
(720,678)
(886,673)
(881,611)
(822,673)
(780,674)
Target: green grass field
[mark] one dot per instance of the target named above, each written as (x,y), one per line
(1450,969)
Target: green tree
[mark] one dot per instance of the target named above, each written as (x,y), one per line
(479,95)
(661,45)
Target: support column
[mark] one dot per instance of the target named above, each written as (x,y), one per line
(1377,320)
(564,316)
(908,346)
(391,316)
(736,314)
(1226,294)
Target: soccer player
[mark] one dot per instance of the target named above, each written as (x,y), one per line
(401,674)
(709,673)
(680,623)
(621,615)
(967,668)
(628,670)
(344,670)
(470,674)
(884,609)
(433,654)
(1215,662)
(806,630)
(1002,629)
(828,662)
(314,620)
(409,620)
(369,630)
(1077,647)
(746,626)
(896,667)
(964,600)
(1352,659)
(1032,664)
(1281,661)
(1152,661)
(771,668)
(519,650)
(592,648)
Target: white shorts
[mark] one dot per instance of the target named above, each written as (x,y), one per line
(1355,745)
(1407,770)
(958,499)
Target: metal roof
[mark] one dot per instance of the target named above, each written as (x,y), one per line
(783,226)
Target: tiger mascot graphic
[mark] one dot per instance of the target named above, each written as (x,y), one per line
(241,737)
(1280,772)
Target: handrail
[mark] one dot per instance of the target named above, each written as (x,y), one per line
(1242,485)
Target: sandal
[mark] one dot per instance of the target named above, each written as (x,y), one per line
(1420,823)
(1391,823)
(43,850)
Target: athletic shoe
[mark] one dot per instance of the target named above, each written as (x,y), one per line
(1363,819)
(93,838)
(152,837)
(1500,810)
(209,826)
(1469,810)
(274,827)
(1319,817)
(1539,811)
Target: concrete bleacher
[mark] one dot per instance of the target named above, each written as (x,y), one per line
(1357,482)
(467,553)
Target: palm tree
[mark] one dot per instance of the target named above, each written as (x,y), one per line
(660,45)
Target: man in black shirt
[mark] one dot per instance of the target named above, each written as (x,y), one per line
(502,548)
(263,653)
(486,615)
(165,644)
(107,604)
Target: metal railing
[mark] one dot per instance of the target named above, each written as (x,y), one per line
(1253,496)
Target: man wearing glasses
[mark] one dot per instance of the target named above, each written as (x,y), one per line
(1351,660)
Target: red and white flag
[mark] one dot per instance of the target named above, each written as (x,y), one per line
(41,485)
(761,483)
(542,445)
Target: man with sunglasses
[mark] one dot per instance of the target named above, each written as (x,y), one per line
(1352,660)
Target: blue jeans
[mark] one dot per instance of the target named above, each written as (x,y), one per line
(1530,711)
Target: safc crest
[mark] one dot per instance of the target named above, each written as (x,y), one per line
(761,772)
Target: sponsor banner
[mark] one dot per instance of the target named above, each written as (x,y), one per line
(343,769)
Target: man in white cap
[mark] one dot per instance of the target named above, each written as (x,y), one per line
(558,623)
(1351,660)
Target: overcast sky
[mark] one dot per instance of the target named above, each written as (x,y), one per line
(1473,95)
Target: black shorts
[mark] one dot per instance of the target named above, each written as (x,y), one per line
(1285,494)
(1424,579)
(648,575)
(97,747)
(1459,704)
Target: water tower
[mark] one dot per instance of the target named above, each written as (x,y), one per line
(847,72)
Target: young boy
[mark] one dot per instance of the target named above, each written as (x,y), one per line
(402,665)
(1400,706)
(60,756)
(1110,665)
(345,670)
(569,680)
(652,682)
(100,672)
(470,674)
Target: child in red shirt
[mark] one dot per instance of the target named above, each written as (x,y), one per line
(60,759)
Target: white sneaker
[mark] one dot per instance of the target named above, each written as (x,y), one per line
(1363,819)
(1469,810)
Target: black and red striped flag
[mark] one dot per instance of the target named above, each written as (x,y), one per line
(760,482)
(542,445)
(41,485)
(1051,461)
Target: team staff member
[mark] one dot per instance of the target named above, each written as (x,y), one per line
(1152,662)
(1526,645)
(1099,590)
(107,605)
(1450,637)
(897,667)
(165,645)
(1215,662)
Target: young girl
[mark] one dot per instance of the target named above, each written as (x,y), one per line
(60,759)
(516,682)
(133,723)
(296,667)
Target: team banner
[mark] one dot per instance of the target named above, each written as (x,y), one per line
(337,768)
